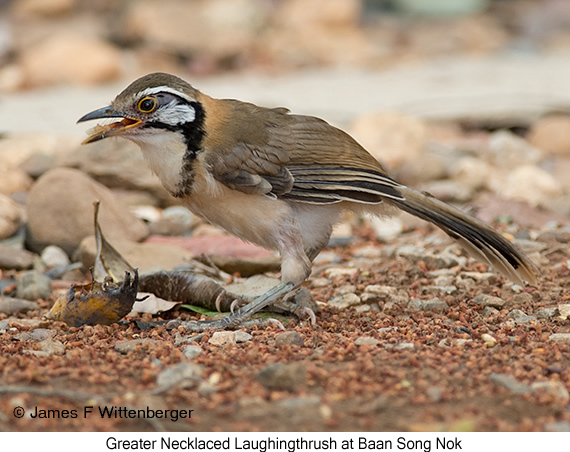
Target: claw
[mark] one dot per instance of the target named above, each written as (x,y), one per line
(311,314)
(218,303)
(234,304)
(277,323)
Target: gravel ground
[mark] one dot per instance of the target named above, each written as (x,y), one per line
(421,361)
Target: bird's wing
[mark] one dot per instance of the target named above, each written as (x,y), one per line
(301,158)
(253,152)
(328,166)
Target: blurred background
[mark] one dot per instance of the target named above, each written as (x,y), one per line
(467,99)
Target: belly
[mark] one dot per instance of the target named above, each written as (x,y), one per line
(255,218)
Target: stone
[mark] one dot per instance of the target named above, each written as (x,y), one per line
(528,183)
(415,304)
(242,336)
(289,338)
(37,164)
(560,337)
(509,151)
(54,256)
(345,301)
(220,244)
(11,306)
(179,27)
(15,258)
(560,426)
(490,301)
(516,314)
(11,218)
(435,304)
(564,311)
(130,345)
(192,351)
(434,393)
(510,383)
(283,377)
(471,172)
(220,338)
(554,389)
(393,138)
(183,374)
(52,347)
(38,334)
(118,165)
(404,346)
(489,312)
(60,212)
(70,58)
(33,285)
(366,340)
(147,257)
(13,180)
(387,229)
(375,293)
(16,148)
(546,313)
(44,8)
(550,134)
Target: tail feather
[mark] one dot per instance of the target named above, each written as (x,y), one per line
(481,241)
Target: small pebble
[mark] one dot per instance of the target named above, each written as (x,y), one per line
(11,306)
(404,346)
(510,383)
(440,289)
(52,347)
(285,377)
(223,337)
(490,301)
(33,285)
(553,389)
(560,337)
(183,374)
(435,304)
(54,256)
(564,311)
(289,338)
(131,344)
(435,393)
(489,312)
(15,258)
(561,426)
(366,340)
(192,351)
(415,304)
(546,313)
(516,314)
(300,403)
(345,301)
(242,336)
(38,334)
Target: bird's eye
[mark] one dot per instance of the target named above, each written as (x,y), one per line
(147,105)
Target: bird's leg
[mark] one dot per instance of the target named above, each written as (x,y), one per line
(295,269)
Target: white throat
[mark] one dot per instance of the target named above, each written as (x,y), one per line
(164,153)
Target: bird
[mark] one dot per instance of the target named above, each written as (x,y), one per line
(276,179)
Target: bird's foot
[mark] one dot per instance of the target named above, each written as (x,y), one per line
(297,303)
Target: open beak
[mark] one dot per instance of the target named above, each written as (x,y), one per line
(108,130)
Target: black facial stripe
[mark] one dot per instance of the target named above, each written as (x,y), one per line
(193,134)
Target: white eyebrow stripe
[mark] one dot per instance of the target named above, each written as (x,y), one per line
(165,89)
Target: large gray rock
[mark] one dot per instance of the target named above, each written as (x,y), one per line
(60,212)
